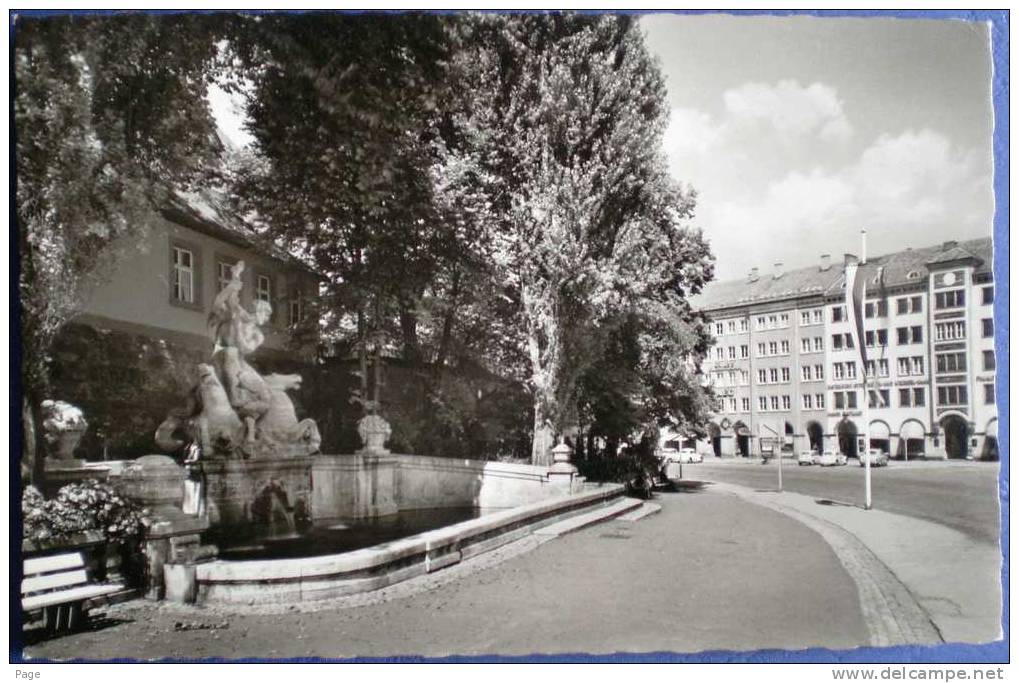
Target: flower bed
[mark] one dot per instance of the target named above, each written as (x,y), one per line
(90,517)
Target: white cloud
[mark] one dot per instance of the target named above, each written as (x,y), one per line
(789,109)
(913,188)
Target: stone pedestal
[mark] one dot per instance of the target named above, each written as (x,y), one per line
(172,537)
(562,473)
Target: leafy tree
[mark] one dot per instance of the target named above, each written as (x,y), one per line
(109,117)
(585,225)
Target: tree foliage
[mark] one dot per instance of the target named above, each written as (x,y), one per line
(110,116)
(585,226)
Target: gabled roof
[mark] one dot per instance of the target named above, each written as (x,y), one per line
(207,212)
(889,270)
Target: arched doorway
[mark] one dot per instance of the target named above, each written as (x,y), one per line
(815,436)
(715,434)
(742,439)
(847,438)
(956,436)
(990,451)
(912,443)
(881,436)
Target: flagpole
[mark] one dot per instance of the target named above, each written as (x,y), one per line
(866,441)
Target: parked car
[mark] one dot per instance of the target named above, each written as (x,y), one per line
(829,459)
(687,455)
(877,458)
(806,458)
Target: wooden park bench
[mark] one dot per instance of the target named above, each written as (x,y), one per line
(58,587)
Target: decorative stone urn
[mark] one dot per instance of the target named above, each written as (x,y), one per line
(63,425)
(374,432)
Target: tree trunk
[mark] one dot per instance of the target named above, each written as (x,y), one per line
(33,455)
(544,439)
(28,450)
(409,331)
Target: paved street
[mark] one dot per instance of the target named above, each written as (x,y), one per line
(960,495)
(708,572)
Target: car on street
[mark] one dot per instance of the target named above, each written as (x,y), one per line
(829,459)
(687,455)
(877,458)
(806,458)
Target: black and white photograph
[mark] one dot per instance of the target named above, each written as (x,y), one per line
(538,335)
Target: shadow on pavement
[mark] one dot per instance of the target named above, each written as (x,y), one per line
(36,633)
(836,503)
(684,486)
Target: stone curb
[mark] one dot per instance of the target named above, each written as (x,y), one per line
(892,614)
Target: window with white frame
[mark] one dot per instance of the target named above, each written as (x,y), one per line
(851,370)
(762,402)
(805,345)
(183,275)
(806,374)
(263,288)
(819,343)
(785,374)
(804,317)
(786,402)
(808,401)
(773,375)
(774,402)
(745,404)
(296,311)
(224,273)
(838,370)
(819,400)
(785,346)
(744,351)
(818,372)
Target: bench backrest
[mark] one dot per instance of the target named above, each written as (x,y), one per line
(55,572)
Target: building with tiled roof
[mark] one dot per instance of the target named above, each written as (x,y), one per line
(786,369)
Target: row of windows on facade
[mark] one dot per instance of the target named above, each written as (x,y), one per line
(914,397)
(946,331)
(907,367)
(875,309)
(185,291)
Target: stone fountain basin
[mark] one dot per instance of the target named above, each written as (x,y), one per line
(367,569)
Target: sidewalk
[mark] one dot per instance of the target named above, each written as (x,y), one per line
(953,579)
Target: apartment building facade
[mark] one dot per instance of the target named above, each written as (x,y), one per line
(787,374)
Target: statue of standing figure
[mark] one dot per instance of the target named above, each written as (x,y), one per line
(259,419)
(237,334)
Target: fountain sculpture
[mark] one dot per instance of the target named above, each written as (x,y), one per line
(234,412)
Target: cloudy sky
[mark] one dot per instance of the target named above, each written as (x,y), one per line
(798,132)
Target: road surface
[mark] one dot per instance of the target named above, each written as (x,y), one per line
(960,495)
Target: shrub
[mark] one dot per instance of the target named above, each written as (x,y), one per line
(84,506)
